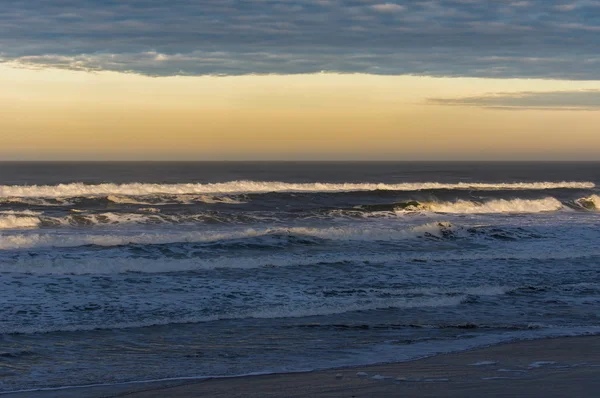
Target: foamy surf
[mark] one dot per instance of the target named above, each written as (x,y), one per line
(166,199)
(492,206)
(18,222)
(591,203)
(240,187)
(49,240)
(144,217)
(28,219)
(461,206)
(403,258)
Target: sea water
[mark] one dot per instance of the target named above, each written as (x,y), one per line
(118,272)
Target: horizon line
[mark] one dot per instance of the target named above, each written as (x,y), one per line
(307,161)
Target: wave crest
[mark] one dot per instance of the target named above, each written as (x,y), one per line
(494,206)
(590,203)
(41,240)
(16,222)
(239,187)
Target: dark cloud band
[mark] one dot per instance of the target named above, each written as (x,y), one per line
(535,38)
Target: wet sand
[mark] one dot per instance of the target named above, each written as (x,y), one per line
(561,367)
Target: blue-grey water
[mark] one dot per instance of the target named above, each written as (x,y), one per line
(113,272)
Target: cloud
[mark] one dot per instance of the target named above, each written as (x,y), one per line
(575,26)
(534,38)
(587,100)
(566,7)
(222,63)
(521,4)
(388,7)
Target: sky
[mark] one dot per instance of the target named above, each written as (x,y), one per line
(300,80)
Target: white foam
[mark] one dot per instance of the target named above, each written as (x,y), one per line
(493,206)
(140,189)
(148,215)
(150,210)
(591,202)
(17,222)
(47,240)
(126,200)
(36,201)
(159,200)
(108,218)
(21,212)
(212,199)
(381,377)
(539,364)
(483,363)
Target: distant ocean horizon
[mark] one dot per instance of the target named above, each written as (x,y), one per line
(125,271)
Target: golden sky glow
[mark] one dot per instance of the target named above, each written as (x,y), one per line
(60,114)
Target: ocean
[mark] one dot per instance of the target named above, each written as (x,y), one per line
(121,272)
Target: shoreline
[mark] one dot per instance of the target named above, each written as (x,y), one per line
(547,367)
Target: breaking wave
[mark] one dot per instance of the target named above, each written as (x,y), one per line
(239,187)
(15,222)
(496,206)
(41,240)
(27,219)
(21,212)
(590,203)
(157,200)
(492,206)
(145,216)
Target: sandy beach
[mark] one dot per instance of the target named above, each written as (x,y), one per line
(560,367)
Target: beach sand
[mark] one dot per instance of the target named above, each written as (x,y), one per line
(560,367)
